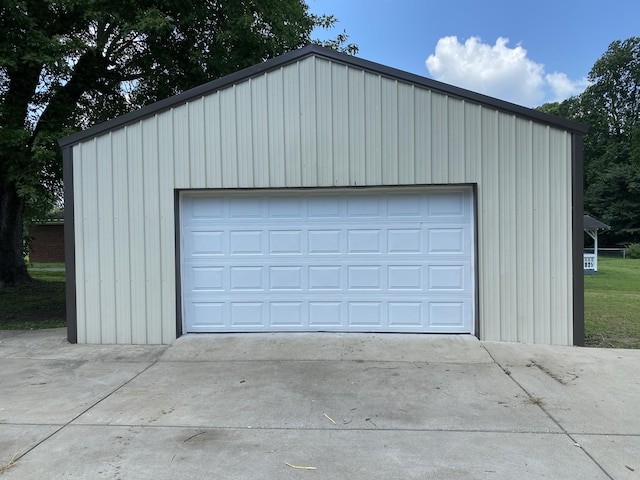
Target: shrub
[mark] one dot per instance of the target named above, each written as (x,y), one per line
(633,250)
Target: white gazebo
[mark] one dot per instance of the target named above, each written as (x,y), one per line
(591,226)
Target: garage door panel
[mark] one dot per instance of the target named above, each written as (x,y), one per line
(446,315)
(376,262)
(206,209)
(285,208)
(247,314)
(247,278)
(367,241)
(323,209)
(285,242)
(206,316)
(204,242)
(406,314)
(289,314)
(328,314)
(207,279)
(404,241)
(449,278)
(364,277)
(405,278)
(447,241)
(324,242)
(246,242)
(243,209)
(325,277)
(406,206)
(286,278)
(365,314)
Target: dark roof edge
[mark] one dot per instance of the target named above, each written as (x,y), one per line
(456,92)
(332,55)
(590,223)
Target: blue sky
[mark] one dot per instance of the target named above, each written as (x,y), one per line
(527,52)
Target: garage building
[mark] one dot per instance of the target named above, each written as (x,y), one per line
(322,192)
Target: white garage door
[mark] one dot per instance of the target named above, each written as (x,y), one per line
(383,260)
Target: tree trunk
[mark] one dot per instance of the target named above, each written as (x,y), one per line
(12,267)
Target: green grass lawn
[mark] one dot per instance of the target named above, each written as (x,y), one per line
(40,304)
(612,304)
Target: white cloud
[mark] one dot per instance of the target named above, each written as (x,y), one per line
(563,87)
(499,71)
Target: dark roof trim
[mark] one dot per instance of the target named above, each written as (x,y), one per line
(316,50)
(591,223)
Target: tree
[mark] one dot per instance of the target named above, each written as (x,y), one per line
(610,105)
(68,64)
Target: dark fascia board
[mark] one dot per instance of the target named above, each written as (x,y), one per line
(332,55)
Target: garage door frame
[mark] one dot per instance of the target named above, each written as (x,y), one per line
(475,275)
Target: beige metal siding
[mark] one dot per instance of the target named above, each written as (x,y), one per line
(317,123)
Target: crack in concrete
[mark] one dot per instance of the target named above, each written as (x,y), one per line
(536,401)
(553,375)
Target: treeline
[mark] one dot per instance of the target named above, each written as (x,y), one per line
(610,106)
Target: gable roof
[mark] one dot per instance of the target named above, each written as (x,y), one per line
(591,223)
(334,56)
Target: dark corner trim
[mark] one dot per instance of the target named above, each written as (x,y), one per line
(176,229)
(69,246)
(577,201)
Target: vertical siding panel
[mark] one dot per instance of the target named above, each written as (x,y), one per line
(552,235)
(507,230)
(308,128)
(244,134)
(167,245)
(542,245)
(324,123)
(292,157)
(213,148)
(423,136)
(389,132)
(525,232)
(137,232)
(260,129)
(406,135)
(472,142)
(229,138)
(356,113)
(181,152)
(373,129)
(197,134)
(439,139)
(456,139)
(121,227)
(340,121)
(106,252)
(91,243)
(490,228)
(276,129)
(79,180)
(153,254)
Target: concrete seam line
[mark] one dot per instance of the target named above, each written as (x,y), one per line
(564,430)
(330,429)
(65,425)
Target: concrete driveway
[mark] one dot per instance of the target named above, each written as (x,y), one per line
(347,406)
